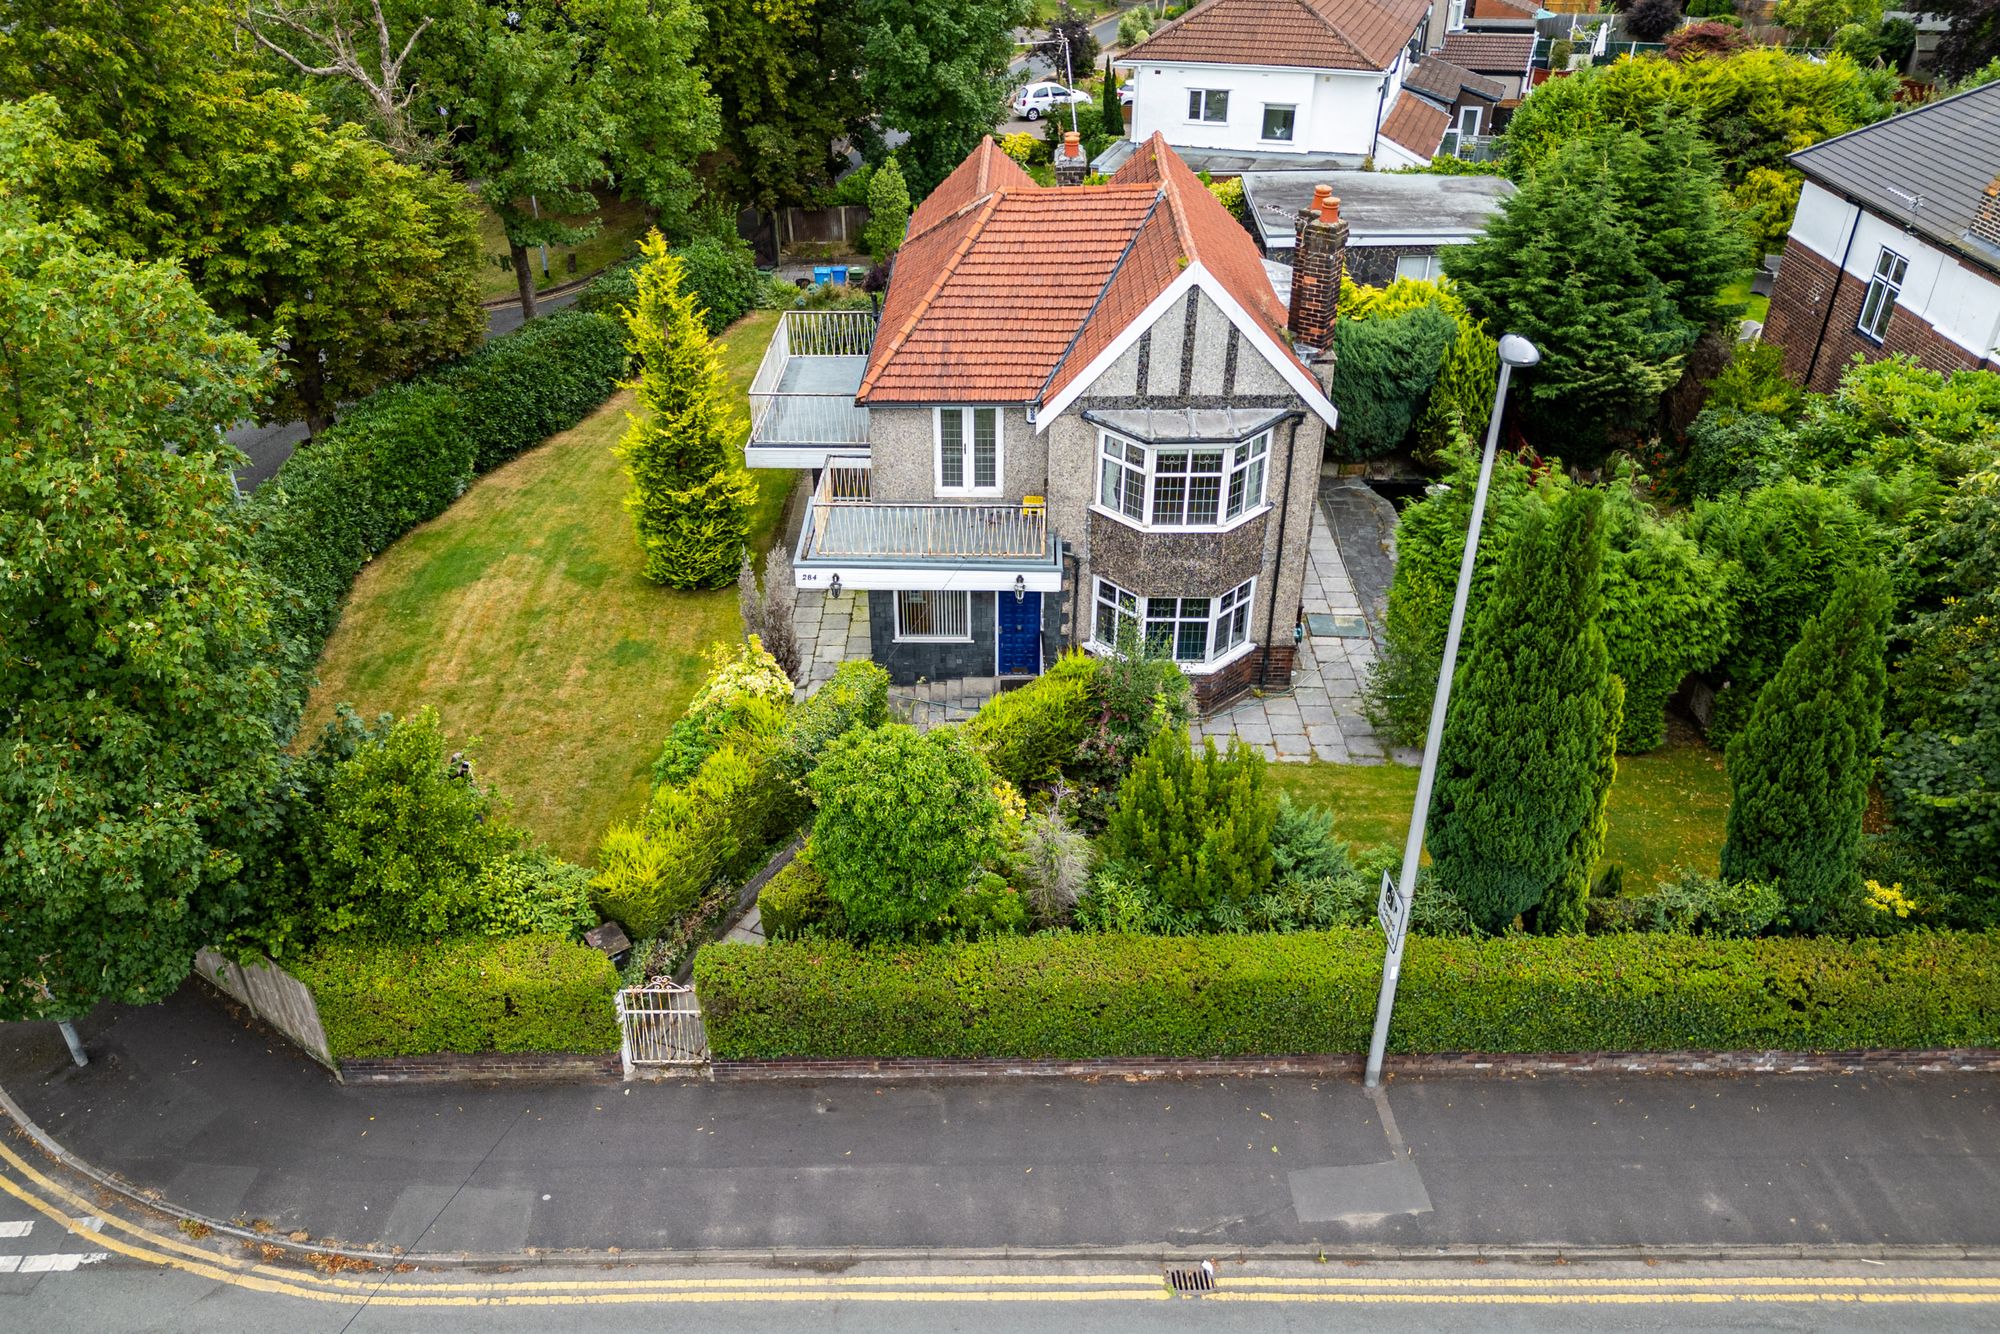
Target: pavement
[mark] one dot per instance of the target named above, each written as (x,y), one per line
(228,1121)
(267,446)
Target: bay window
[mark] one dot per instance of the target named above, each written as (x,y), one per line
(968,451)
(1181,486)
(1190,630)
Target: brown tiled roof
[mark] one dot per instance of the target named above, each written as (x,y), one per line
(1416,124)
(1502,9)
(1314,34)
(1009,296)
(1434,76)
(1489,52)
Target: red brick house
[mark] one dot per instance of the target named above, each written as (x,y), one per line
(1896,245)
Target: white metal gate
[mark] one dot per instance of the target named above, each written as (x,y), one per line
(660,1026)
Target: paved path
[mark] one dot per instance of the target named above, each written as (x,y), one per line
(1350,559)
(229,1122)
(267,447)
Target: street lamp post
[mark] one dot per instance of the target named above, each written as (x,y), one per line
(1393,908)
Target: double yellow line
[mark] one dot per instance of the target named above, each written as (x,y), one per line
(123,1237)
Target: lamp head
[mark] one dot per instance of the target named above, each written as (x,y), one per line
(1518,352)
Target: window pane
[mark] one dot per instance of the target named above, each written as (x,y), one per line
(1278,122)
(1170,463)
(915,611)
(985,447)
(1169,499)
(951,448)
(1194,104)
(1204,499)
(1193,643)
(1217,106)
(1107,490)
(1236,493)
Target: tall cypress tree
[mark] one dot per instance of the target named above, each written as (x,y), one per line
(1517,820)
(690,501)
(1799,769)
(1113,117)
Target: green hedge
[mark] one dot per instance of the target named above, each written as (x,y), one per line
(403,455)
(1082,996)
(471,994)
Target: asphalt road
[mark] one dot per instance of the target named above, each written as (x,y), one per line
(227,1121)
(268,446)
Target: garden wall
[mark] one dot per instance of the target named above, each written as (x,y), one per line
(273,995)
(1082,997)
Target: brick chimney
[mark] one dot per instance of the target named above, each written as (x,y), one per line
(1986,218)
(1317,258)
(1071,164)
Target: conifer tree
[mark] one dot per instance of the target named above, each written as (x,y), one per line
(1113,117)
(690,500)
(888,211)
(1528,756)
(1799,769)
(1196,828)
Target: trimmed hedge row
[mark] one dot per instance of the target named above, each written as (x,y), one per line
(471,994)
(1075,997)
(403,455)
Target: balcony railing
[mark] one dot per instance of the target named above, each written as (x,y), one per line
(843,525)
(802,399)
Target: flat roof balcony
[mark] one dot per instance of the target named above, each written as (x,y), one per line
(802,401)
(872,544)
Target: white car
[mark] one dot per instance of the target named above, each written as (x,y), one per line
(1038,99)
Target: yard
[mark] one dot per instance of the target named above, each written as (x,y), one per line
(521,615)
(1668,808)
(621,224)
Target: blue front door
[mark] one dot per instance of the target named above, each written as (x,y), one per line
(1020,634)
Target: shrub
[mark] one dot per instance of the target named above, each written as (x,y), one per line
(888,212)
(471,994)
(1024,147)
(1303,845)
(1706,40)
(855,696)
(795,902)
(1229,194)
(1694,904)
(1032,733)
(904,822)
(1730,452)
(1526,762)
(1460,399)
(720,272)
(1383,372)
(401,456)
(745,690)
(1800,768)
(1196,828)
(1053,866)
(690,500)
(402,838)
(533,893)
(1076,997)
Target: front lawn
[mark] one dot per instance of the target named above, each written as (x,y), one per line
(521,615)
(1668,808)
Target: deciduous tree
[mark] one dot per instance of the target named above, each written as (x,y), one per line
(938,72)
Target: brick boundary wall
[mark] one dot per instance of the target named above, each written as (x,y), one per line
(1798,305)
(1887,1061)
(481,1067)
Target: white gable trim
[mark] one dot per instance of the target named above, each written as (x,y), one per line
(1194,276)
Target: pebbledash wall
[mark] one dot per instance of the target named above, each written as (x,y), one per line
(1947,315)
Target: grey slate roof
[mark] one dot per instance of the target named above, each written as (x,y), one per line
(1946,153)
(1380,208)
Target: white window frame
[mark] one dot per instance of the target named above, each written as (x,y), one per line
(1207,95)
(1455,16)
(1291,131)
(1242,460)
(942,597)
(1224,621)
(1429,262)
(968,418)
(1878,303)
(1469,131)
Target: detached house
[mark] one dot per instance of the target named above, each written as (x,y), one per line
(1082,416)
(1896,245)
(1234,85)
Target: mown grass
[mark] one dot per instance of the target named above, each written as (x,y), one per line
(1668,808)
(522,616)
(620,225)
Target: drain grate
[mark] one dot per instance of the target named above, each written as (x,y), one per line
(1190,1282)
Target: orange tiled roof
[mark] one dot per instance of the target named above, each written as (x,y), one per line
(1416,124)
(1312,34)
(1007,296)
(1502,9)
(1489,52)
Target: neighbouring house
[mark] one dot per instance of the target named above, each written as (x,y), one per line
(1083,415)
(1504,57)
(1235,85)
(1896,245)
(1397,224)
(1470,102)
